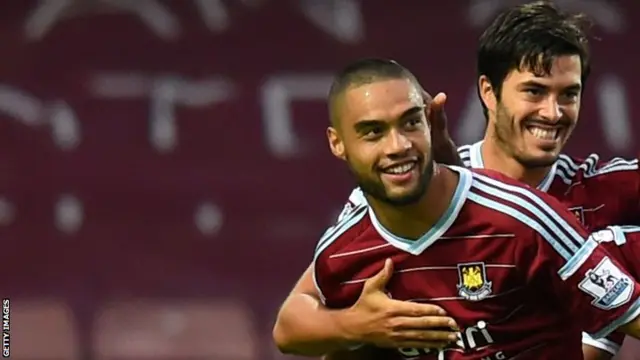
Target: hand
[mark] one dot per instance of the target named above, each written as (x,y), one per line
(444,149)
(381,321)
(436,115)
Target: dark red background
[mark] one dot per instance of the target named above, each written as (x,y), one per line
(138,237)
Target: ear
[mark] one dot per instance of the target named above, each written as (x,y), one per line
(487,95)
(335,143)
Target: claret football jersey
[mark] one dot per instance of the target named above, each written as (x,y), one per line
(515,269)
(598,193)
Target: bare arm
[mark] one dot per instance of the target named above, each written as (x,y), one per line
(632,328)
(306,327)
(593,353)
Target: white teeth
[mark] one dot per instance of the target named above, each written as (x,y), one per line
(400,169)
(544,134)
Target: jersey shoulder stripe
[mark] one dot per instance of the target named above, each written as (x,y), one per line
(356,198)
(464,152)
(347,222)
(539,216)
(464,149)
(568,167)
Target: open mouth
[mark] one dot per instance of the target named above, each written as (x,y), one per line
(400,169)
(544,133)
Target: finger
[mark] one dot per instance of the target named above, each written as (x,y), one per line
(415,345)
(440,99)
(436,114)
(412,309)
(436,106)
(427,323)
(417,335)
(379,281)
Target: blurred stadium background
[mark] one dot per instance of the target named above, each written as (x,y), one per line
(163,169)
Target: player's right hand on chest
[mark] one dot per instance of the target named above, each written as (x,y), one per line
(378,320)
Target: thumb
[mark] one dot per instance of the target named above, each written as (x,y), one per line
(379,281)
(437,115)
(438,101)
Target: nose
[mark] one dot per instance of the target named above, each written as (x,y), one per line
(397,143)
(551,110)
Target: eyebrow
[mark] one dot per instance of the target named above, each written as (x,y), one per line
(533,83)
(363,125)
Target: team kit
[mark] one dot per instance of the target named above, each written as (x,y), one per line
(507,248)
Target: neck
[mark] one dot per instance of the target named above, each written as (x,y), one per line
(496,159)
(412,221)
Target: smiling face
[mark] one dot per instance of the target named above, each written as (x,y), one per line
(383,135)
(533,115)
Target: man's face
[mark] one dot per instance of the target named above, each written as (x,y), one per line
(535,115)
(384,137)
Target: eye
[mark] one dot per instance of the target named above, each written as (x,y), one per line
(534,91)
(372,133)
(413,123)
(571,95)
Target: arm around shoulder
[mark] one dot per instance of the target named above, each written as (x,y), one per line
(593,353)
(306,327)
